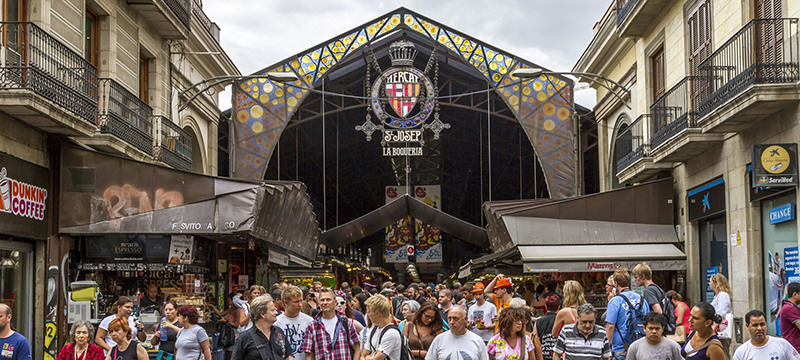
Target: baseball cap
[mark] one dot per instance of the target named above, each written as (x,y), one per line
(501,283)
(477,288)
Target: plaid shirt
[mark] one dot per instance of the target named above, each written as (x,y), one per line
(318,341)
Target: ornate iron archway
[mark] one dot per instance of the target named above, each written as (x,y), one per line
(543,106)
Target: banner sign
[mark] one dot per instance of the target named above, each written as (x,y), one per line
(774,165)
(792,264)
(429,238)
(398,235)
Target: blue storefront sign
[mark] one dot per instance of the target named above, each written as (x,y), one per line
(781,214)
(709,273)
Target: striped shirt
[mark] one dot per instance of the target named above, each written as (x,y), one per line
(572,345)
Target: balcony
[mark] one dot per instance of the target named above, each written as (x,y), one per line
(125,122)
(173,144)
(171,18)
(634,17)
(632,153)
(675,134)
(44,83)
(210,26)
(752,76)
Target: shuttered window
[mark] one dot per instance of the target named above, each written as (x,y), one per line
(699,36)
(769,34)
(657,65)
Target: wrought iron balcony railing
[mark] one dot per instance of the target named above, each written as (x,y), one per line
(624,7)
(630,145)
(210,26)
(675,110)
(33,59)
(124,115)
(174,145)
(182,9)
(764,51)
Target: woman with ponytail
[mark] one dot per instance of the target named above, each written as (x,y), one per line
(703,343)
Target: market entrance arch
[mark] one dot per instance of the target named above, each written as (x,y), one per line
(509,139)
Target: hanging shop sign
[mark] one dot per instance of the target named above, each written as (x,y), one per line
(278,258)
(782,213)
(601,266)
(23,198)
(774,165)
(411,98)
(180,249)
(707,200)
(758,193)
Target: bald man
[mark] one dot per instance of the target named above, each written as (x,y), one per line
(13,346)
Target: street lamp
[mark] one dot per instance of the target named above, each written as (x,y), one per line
(282,76)
(536,72)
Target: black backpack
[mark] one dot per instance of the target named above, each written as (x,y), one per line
(405,350)
(668,309)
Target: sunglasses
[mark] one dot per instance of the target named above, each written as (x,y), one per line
(341,303)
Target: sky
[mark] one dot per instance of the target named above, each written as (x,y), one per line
(552,33)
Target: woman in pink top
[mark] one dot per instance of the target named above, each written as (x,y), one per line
(681,309)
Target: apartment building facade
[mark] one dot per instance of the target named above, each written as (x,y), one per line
(705,81)
(105,75)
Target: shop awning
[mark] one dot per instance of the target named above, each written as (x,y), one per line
(405,205)
(596,232)
(105,194)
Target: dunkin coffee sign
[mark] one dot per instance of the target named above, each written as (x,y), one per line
(20,198)
(23,198)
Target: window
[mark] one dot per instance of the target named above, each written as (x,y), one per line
(90,45)
(699,24)
(657,66)
(144,75)
(16,279)
(15,10)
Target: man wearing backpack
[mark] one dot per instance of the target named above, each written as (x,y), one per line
(655,296)
(625,315)
(384,340)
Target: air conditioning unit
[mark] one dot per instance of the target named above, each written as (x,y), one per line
(79,310)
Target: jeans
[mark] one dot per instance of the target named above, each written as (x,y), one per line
(620,355)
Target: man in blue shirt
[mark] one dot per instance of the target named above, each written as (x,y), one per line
(618,313)
(13,346)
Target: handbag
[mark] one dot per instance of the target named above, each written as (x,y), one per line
(679,336)
(227,336)
(724,331)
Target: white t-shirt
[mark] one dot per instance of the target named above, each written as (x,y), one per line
(104,325)
(295,330)
(722,304)
(330,325)
(246,308)
(447,346)
(775,349)
(486,313)
(389,345)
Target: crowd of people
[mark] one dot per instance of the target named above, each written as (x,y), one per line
(444,322)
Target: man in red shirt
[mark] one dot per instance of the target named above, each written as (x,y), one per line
(790,316)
